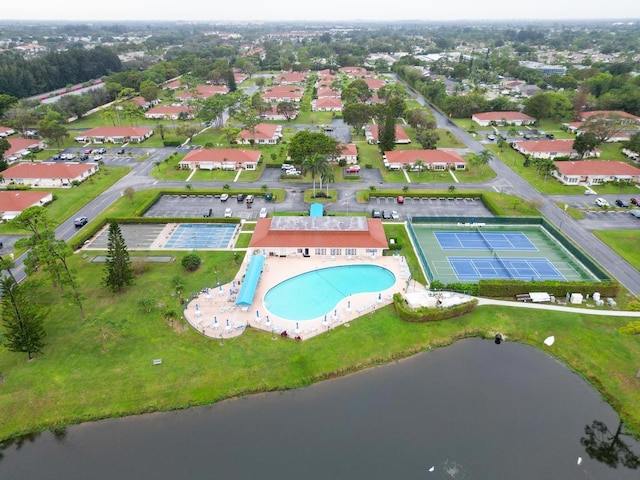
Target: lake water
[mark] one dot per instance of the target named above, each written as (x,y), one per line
(474,410)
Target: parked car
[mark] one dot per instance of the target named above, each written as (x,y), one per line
(84,157)
(400,199)
(635,201)
(241,197)
(491,137)
(263,213)
(293,171)
(353,169)
(602,203)
(97,158)
(286,166)
(395,215)
(208,213)
(88,151)
(224,197)
(550,136)
(121,151)
(635,212)
(227,213)
(386,214)
(622,203)
(250,199)
(376,213)
(102,151)
(80,222)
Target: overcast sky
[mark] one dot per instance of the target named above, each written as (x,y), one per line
(330,10)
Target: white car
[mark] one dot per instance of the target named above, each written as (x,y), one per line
(263,213)
(293,171)
(394,215)
(601,202)
(227,213)
(224,197)
(97,157)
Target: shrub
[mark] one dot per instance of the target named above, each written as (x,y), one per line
(632,328)
(191,262)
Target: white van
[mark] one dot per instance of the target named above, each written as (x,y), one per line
(601,202)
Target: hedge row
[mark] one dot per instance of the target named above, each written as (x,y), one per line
(511,288)
(424,314)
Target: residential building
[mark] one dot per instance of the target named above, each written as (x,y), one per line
(429,159)
(502,118)
(327,104)
(371,134)
(115,135)
(169,112)
(261,134)
(283,93)
(595,172)
(348,153)
(221,159)
(6,131)
(19,147)
(13,202)
(550,149)
(48,174)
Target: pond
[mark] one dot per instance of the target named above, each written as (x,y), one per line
(474,410)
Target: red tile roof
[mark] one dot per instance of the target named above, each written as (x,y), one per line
(221,154)
(498,116)
(400,133)
(328,92)
(320,232)
(6,129)
(262,130)
(168,110)
(559,146)
(18,200)
(596,167)
(18,144)
(606,113)
(328,102)
(117,132)
(291,77)
(348,149)
(427,156)
(374,83)
(55,170)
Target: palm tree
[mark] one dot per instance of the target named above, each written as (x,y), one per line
(328,177)
(419,165)
(316,165)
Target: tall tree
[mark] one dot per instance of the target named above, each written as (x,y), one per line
(305,144)
(427,138)
(4,146)
(356,115)
(52,128)
(118,270)
(316,165)
(149,90)
(584,143)
(287,109)
(387,131)
(22,320)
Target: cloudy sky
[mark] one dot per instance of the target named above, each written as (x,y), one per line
(331,10)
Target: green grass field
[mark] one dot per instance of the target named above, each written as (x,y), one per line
(101,366)
(623,242)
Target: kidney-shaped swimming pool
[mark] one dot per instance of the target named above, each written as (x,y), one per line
(316,293)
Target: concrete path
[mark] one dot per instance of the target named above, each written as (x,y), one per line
(558,308)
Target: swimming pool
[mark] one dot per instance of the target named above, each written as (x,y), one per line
(201,235)
(313,294)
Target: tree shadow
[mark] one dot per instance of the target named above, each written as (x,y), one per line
(607,447)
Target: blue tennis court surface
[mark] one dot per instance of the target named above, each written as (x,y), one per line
(479,240)
(205,235)
(474,268)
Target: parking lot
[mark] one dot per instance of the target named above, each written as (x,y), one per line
(433,207)
(192,206)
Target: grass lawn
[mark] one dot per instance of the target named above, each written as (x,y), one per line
(623,242)
(448,140)
(101,366)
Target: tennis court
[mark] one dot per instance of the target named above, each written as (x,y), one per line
(469,252)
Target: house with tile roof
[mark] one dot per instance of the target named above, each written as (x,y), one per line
(19,147)
(13,202)
(291,78)
(583,116)
(348,153)
(48,174)
(550,149)
(371,134)
(202,92)
(330,237)
(6,131)
(169,112)
(595,172)
(273,114)
(261,134)
(115,135)
(327,104)
(436,160)
(283,93)
(174,84)
(502,118)
(221,159)
(326,92)
(374,84)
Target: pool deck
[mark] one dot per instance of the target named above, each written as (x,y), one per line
(231,320)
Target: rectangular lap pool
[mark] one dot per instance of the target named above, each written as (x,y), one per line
(201,236)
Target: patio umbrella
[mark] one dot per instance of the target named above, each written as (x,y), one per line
(335,314)
(379,297)
(228,327)
(215,322)
(324,322)
(297,328)
(257,315)
(348,306)
(197,307)
(220,287)
(267,322)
